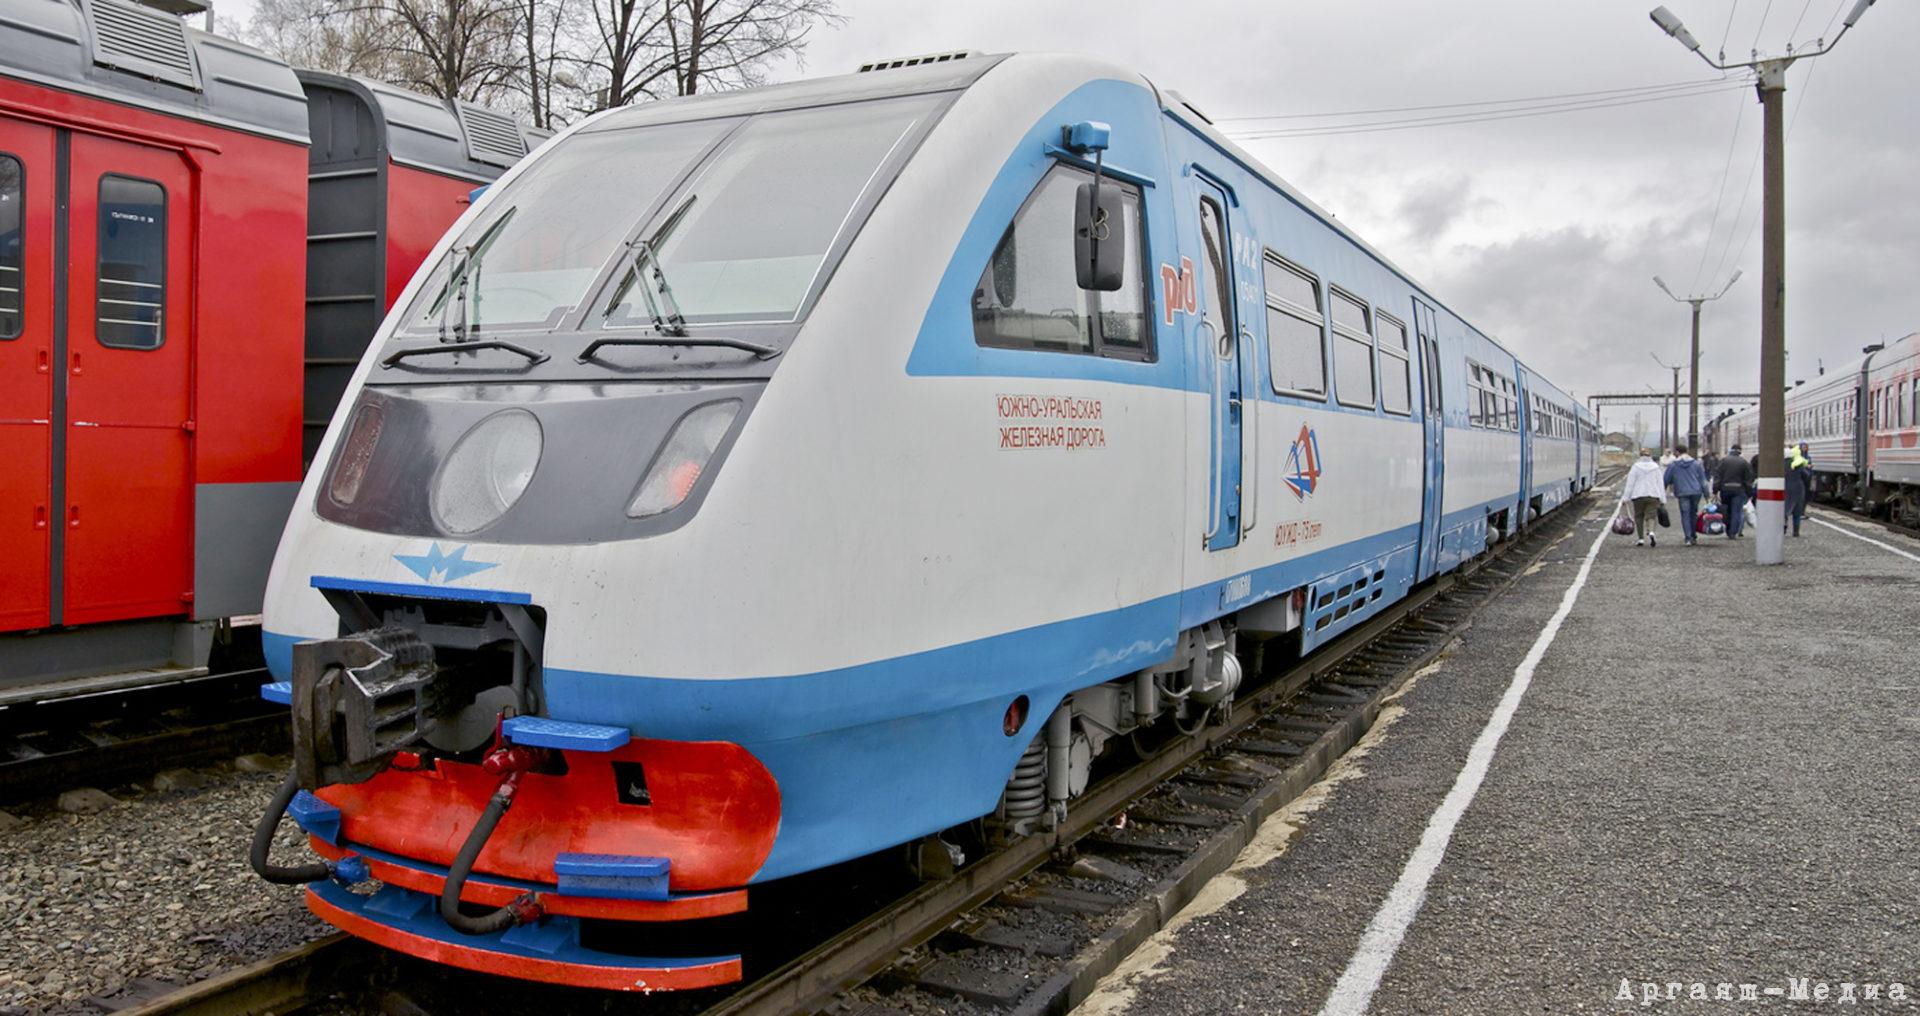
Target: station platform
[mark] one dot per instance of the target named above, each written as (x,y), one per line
(1704,788)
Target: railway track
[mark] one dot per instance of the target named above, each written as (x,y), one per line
(1133,850)
(108,737)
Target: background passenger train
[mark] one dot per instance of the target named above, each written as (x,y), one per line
(840,463)
(160,178)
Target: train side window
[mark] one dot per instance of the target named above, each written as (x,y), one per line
(1028,297)
(131,299)
(13,227)
(1296,344)
(1396,373)
(1352,350)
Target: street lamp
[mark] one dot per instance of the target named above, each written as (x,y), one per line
(1693,389)
(1771,489)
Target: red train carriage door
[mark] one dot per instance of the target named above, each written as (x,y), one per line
(26,374)
(128,519)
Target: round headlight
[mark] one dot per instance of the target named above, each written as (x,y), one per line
(487,472)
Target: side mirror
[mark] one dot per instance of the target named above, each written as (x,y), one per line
(1099,241)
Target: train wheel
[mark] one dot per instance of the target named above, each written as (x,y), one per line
(1902,509)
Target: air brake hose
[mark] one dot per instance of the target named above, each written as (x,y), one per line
(263,830)
(521,910)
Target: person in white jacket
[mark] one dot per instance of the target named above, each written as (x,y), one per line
(1646,488)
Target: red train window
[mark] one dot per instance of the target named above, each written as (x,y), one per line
(12,256)
(130,310)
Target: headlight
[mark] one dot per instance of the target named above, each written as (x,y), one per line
(677,468)
(355,452)
(487,471)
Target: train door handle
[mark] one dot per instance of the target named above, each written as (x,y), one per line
(39,516)
(46,365)
(73,516)
(75,367)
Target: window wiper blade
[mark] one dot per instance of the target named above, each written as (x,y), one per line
(759,351)
(465,276)
(646,255)
(534,356)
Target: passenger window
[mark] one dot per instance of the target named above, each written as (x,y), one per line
(1213,231)
(1352,351)
(131,295)
(1028,296)
(12,254)
(1396,374)
(1296,347)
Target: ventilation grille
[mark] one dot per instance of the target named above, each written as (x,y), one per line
(491,137)
(142,41)
(916,61)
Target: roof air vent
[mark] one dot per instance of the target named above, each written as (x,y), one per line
(916,61)
(491,137)
(143,41)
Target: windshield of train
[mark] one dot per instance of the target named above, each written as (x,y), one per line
(743,241)
(757,223)
(529,260)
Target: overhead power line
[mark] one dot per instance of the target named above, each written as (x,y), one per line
(1455,119)
(1482,102)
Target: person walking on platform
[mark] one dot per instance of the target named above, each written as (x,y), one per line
(1733,478)
(1688,478)
(1646,488)
(1799,484)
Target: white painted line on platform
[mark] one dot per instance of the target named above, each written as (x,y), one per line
(1388,929)
(1890,548)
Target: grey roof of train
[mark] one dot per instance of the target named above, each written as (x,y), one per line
(459,138)
(931,77)
(124,52)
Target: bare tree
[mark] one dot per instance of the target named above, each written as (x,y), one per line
(456,49)
(652,48)
(544,29)
(730,43)
(320,35)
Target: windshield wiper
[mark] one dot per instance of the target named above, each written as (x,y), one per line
(465,276)
(646,255)
(534,357)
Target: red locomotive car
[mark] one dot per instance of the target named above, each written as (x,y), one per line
(191,236)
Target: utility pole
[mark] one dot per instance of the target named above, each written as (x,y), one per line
(1674,405)
(1693,359)
(1771,72)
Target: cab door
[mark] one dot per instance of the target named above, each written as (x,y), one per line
(1220,337)
(27,211)
(1433,413)
(127,520)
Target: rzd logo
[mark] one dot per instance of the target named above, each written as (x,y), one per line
(1303,463)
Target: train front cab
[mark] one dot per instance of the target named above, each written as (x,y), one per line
(148,370)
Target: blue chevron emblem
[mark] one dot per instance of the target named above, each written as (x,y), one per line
(438,566)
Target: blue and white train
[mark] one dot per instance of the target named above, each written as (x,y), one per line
(754,481)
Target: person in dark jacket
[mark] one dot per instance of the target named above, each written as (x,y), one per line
(1688,478)
(1799,485)
(1733,480)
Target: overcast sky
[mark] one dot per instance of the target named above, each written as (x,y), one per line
(1545,231)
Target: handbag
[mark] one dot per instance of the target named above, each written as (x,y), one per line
(1623,523)
(1666,521)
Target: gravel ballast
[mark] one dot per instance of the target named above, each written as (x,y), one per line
(1708,781)
(155,886)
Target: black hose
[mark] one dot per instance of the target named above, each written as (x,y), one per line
(263,831)
(496,920)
